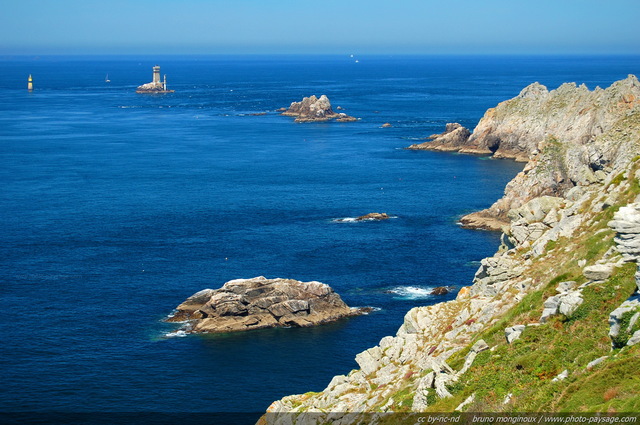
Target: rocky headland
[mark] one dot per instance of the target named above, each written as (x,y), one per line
(551,321)
(569,137)
(314,109)
(259,303)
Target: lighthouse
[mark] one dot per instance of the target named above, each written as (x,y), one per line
(155,86)
(156,75)
(30,83)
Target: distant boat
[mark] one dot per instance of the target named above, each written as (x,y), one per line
(106,79)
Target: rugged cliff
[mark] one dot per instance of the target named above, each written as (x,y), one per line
(551,322)
(569,137)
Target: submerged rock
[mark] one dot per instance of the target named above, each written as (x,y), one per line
(312,109)
(373,216)
(245,304)
(442,290)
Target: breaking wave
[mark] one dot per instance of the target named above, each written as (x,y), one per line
(411,292)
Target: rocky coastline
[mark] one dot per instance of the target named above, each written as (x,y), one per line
(314,109)
(551,318)
(259,303)
(569,137)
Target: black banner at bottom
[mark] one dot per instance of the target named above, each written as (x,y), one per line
(308,418)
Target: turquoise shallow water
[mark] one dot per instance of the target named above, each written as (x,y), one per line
(116,206)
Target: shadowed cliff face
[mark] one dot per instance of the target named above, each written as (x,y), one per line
(569,137)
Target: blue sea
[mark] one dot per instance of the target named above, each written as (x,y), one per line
(116,206)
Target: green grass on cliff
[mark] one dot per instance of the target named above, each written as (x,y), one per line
(518,377)
(523,372)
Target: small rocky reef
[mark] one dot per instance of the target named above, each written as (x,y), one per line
(373,217)
(258,303)
(314,109)
(453,138)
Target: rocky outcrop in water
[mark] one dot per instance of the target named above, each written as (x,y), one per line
(258,303)
(373,216)
(314,109)
(454,137)
(569,137)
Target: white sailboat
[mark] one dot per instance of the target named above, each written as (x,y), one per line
(106,79)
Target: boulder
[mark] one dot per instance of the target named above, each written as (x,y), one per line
(596,362)
(441,290)
(562,376)
(513,332)
(616,318)
(480,346)
(316,109)
(564,303)
(598,271)
(245,304)
(635,339)
(566,286)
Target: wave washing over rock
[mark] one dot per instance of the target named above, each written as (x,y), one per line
(259,303)
(536,329)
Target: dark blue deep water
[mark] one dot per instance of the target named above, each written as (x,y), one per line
(115,207)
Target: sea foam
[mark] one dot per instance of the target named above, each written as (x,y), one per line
(411,292)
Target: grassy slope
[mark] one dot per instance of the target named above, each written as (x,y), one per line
(523,372)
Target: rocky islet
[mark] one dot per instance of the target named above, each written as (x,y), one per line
(315,109)
(260,303)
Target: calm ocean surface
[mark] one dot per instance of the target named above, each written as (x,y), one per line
(117,206)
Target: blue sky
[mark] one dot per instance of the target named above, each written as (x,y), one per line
(325,26)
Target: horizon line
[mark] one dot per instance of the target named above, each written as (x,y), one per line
(354,55)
